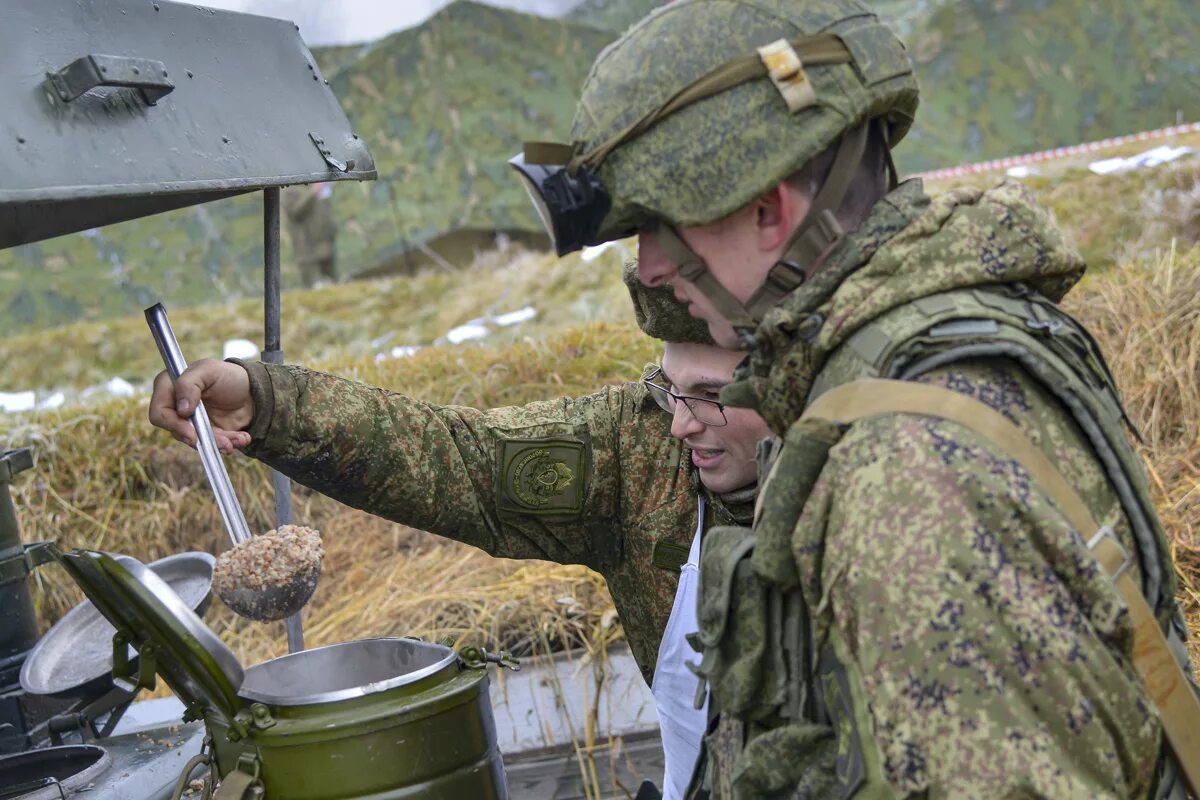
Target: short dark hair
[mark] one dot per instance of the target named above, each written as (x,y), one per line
(870,183)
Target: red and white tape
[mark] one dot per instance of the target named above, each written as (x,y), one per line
(1057,152)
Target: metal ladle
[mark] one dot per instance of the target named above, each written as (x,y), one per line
(269,603)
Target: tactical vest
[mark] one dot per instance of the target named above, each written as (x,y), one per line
(755,635)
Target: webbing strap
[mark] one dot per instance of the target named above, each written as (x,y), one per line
(1162,674)
(692,268)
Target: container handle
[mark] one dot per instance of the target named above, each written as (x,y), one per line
(88,72)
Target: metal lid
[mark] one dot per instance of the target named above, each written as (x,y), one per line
(167,634)
(74,657)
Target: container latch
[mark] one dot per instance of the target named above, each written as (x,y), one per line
(477,657)
(244,782)
(257,717)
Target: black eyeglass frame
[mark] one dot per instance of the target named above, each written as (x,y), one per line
(667,400)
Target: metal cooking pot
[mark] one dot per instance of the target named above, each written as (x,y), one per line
(375,718)
(384,718)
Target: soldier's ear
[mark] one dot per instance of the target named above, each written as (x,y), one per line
(776,214)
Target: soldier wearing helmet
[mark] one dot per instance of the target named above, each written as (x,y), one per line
(916,611)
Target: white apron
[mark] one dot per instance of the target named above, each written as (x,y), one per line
(674,687)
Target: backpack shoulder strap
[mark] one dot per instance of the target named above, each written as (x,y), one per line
(1015,323)
(1161,673)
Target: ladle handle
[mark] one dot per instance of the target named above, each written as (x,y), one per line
(214,467)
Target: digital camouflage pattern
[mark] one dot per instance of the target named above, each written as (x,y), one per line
(593,480)
(660,315)
(711,158)
(963,641)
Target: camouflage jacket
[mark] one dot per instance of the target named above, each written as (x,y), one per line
(593,480)
(961,639)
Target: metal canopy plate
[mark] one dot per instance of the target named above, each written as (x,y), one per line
(77,651)
(194,662)
(114,111)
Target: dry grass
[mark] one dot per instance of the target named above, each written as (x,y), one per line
(337,322)
(1146,317)
(1113,219)
(108,480)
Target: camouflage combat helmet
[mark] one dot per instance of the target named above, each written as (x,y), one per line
(660,315)
(705,105)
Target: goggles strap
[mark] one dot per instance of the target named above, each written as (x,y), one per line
(817,233)
(693,269)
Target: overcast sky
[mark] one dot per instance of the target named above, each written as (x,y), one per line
(352,21)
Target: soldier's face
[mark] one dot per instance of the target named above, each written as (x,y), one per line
(724,455)
(739,250)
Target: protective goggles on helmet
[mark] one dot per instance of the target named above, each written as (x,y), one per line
(571,205)
(561,179)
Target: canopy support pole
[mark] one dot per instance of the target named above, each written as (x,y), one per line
(273,354)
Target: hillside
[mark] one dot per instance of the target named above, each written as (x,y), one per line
(1000,77)
(612,15)
(444,105)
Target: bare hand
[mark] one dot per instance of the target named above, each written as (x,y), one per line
(225,390)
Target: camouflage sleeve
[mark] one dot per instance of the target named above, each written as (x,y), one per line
(973,647)
(534,481)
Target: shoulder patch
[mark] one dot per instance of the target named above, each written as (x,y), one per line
(839,705)
(542,476)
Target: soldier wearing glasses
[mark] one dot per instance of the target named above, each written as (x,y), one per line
(607,480)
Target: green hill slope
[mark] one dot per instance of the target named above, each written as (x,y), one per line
(444,105)
(1000,77)
(612,15)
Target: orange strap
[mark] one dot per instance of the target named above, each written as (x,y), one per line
(1162,674)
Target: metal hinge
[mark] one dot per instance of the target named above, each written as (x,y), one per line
(319,143)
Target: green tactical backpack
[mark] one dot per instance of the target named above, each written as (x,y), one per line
(755,637)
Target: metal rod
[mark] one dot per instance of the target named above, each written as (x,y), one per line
(271,271)
(206,445)
(273,354)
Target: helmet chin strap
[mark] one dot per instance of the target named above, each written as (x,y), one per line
(813,237)
(818,232)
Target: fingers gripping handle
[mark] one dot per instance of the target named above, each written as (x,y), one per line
(210,456)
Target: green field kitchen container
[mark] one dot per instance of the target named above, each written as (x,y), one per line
(376,718)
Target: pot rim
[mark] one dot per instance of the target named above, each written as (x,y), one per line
(373,687)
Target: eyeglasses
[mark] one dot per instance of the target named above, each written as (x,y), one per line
(708,412)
